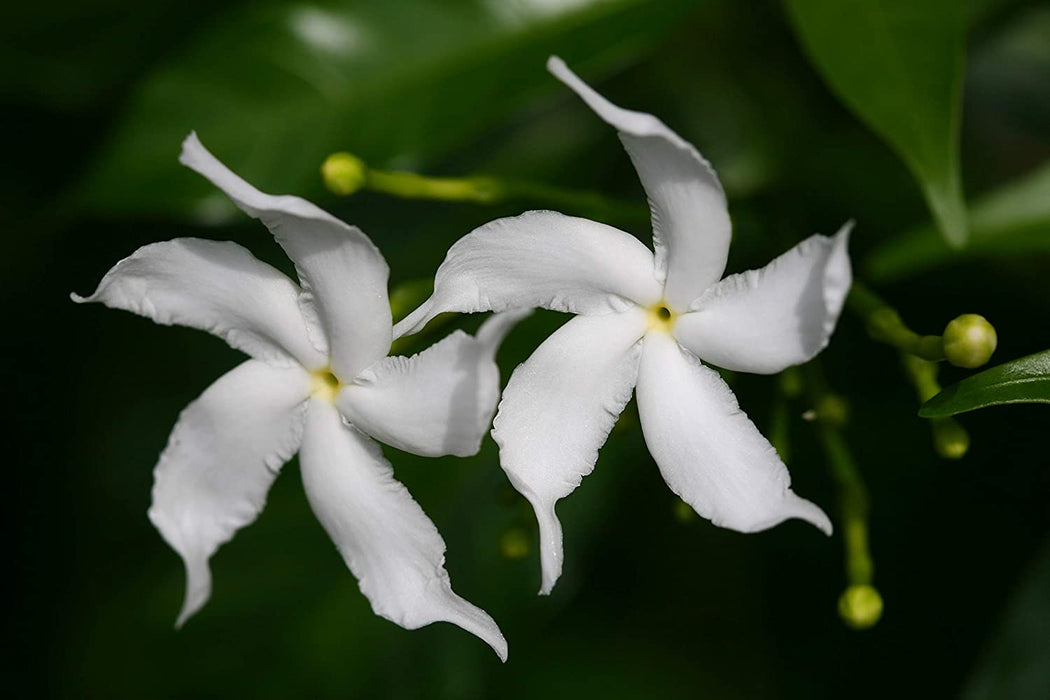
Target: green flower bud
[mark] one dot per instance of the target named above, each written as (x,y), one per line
(969,341)
(949,438)
(791,382)
(832,409)
(514,544)
(344,173)
(683,512)
(860,606)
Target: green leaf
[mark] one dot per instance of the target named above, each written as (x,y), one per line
(1026,380)
(1012,220)
(273,90)
(1016,664)
(898,64)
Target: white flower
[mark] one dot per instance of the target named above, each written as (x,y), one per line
(318,382)
(643,321)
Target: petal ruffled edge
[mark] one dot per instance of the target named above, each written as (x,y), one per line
(540,259)
(557,411)
(437,402)
(383,535)
(691,227)
(766,320)
(222,457)
(708,450)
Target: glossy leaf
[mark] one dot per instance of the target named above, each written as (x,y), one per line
(400,83)
(1016,663)
(898,65)
(1026,380)
(1012,220)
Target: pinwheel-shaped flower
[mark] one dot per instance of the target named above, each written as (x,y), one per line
(319,382)
(645,322)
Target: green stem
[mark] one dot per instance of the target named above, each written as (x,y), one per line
(950,439)
(853,494)
(484,189)
(885,325)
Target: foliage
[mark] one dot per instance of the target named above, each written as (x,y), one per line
(899,66)
(98,95)
(1026,380)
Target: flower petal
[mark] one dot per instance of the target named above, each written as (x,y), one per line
(385,538)
(691,228)
(343,275)
(544,259)
(222,457)
(557,411)
(438,402)
(216,286)
(781,315)
(708,450)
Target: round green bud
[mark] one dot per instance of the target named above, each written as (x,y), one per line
(791,382)
(860,606)
(514,544)
(949,438)
(344,173)
(969,341)
(683,512)
(832,409)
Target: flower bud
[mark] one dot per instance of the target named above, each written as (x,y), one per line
(969,341)
(832,409)
(860,606)
(344,173)
(949,438)
(791,383)
(683,512)
(514,544)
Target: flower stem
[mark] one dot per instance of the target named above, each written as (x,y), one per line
(860,605)
(950,439)
(885,325)
(853,495)
(345,174)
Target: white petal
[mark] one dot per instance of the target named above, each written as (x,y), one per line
(342,273)
(781,315)
(216,286)
(691,228)
(222,457)
(438,402)
(385,538)
(544,259)
(557,411)
(708,450)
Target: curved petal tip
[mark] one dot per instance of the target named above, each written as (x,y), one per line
(198,589)
(500,647)
(798,507)
(191,147)
(551,547)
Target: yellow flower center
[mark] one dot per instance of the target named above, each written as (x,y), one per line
(324,384)
(661,317)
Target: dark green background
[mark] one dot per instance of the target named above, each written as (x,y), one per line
(95,98)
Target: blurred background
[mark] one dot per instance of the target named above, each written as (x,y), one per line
(96,98)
